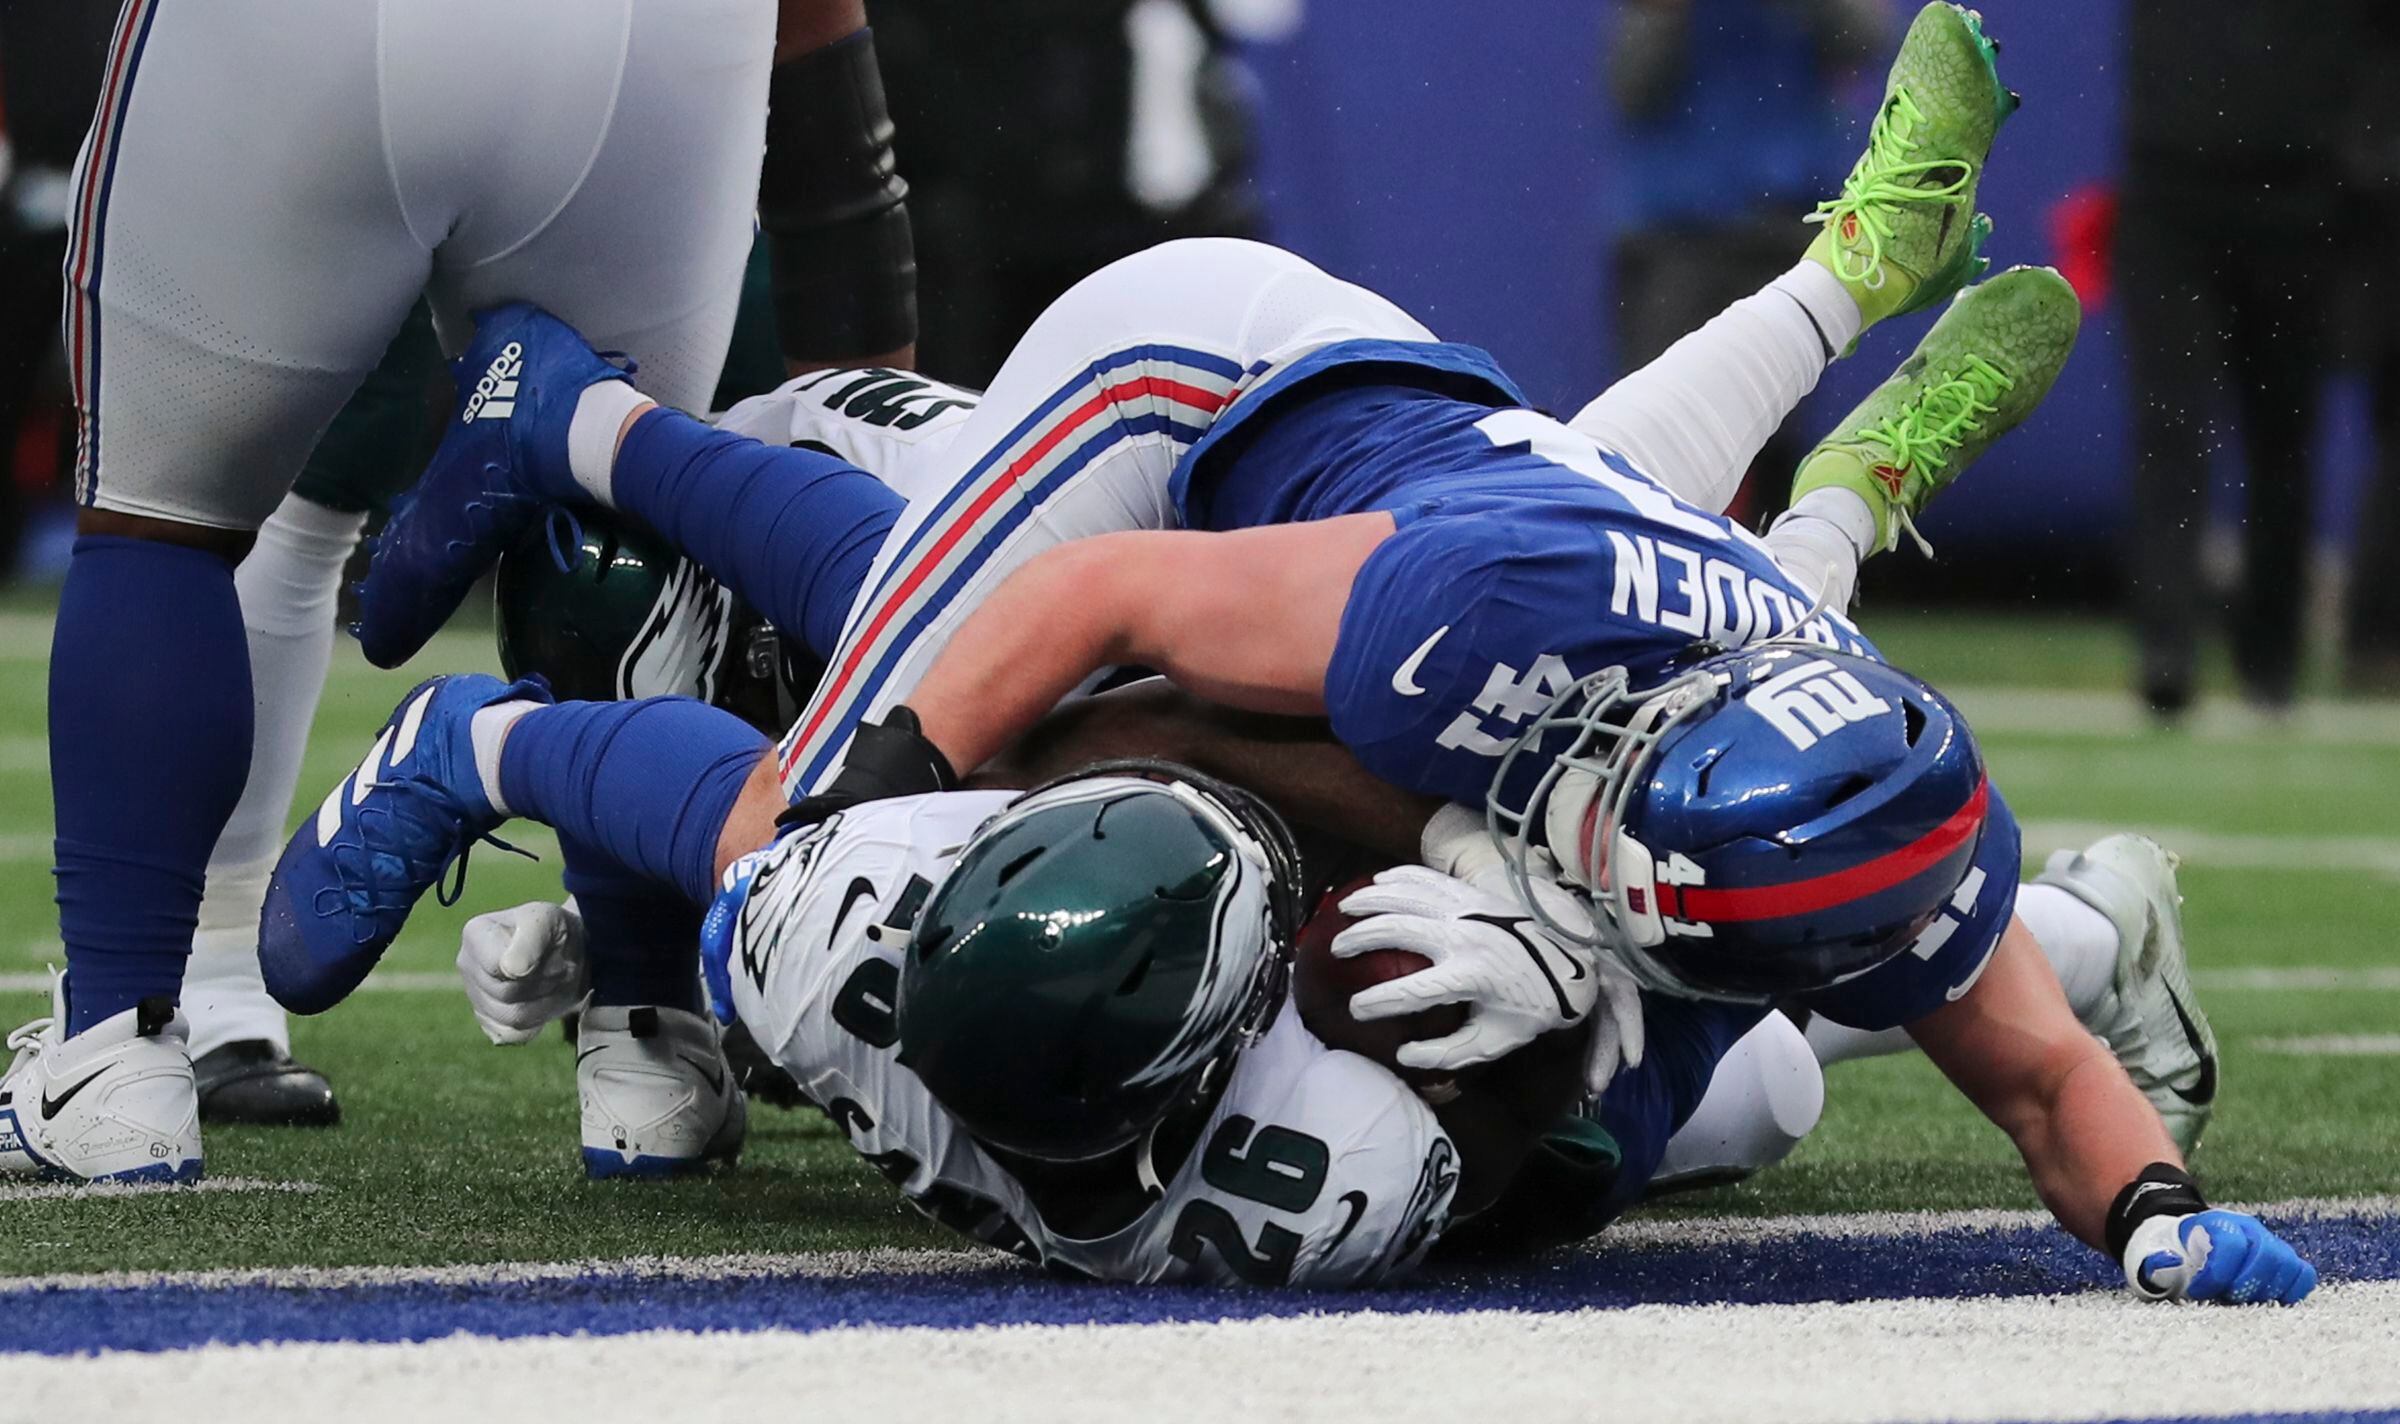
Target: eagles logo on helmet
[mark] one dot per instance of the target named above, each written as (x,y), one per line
(1770,821)
(606,610)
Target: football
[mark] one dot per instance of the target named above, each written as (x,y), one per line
(1322,986)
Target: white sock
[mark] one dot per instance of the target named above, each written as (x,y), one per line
(1839,1043)
(1765,1094)
(2079,941)
(1827,302)
(488,730)
(592,434)
(288,586)
(1820,541)
(1697,416)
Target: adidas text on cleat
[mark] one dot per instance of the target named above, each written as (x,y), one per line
(659,1096)
(1976,376)
(501,463)
(114,1103)
(2149,1018)
(1904,234)
(386,835)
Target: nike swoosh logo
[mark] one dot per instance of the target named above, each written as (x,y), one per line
(2204,1092)
(1960,992)
(51,1105)
(1404,681)
(860,889)
(1566,1011)
(709,1073)
(1357,1202)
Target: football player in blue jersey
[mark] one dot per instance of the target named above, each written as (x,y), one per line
(1216,461)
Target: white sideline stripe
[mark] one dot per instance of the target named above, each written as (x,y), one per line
(80,1191)
(2333,1045)
(2095,1356)
(2066,712)
(1750,1230)
(396,982)
(1698,1231)
(2370,855)
(827,1265)
(2382,978)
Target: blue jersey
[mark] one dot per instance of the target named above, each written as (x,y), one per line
(1527,556)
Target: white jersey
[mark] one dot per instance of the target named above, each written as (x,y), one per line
(1316,1167)
(895,425)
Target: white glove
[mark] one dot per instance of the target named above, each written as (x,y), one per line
(1517,980)
(1458,842)
(524,968)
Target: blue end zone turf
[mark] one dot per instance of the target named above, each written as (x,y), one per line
(65,1320)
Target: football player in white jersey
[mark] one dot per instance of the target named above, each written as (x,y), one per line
(1072,1038)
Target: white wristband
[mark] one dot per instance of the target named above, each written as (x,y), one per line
(2158,1234)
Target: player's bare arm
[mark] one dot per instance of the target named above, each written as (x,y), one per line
(2015,1049)
(1247,618)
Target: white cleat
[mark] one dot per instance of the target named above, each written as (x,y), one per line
(2149,1016)
(114,1103)
(659,1098)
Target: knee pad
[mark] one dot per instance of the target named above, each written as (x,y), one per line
(1766,1094)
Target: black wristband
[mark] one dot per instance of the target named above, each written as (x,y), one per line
(830,201)
(2161,1190)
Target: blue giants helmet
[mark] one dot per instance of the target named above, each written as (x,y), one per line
(1771,821)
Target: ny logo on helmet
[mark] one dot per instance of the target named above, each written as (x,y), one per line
(1811,701)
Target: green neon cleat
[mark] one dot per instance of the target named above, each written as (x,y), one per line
(1904,234)
(1976,376)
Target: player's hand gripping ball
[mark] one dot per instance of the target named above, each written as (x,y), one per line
(1322,987)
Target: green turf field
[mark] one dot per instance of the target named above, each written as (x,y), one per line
(455,1151)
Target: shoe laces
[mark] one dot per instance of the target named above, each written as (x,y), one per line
(1885,178)
(1923,434)
(363,888)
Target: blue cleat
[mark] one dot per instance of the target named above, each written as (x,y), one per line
(387,833)
(501,464)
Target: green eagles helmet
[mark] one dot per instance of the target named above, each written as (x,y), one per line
(1097,958)
(606,610)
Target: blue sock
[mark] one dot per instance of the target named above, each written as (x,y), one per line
(642,941)
(792,531)
(642,787)
(149,746)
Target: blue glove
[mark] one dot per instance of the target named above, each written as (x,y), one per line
(2222,1256)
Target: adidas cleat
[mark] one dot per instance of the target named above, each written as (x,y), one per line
(658,1093)
(1976,376)
(501,464)
(114,1103)
(1904,234)
(2149,1017)
(386,835)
